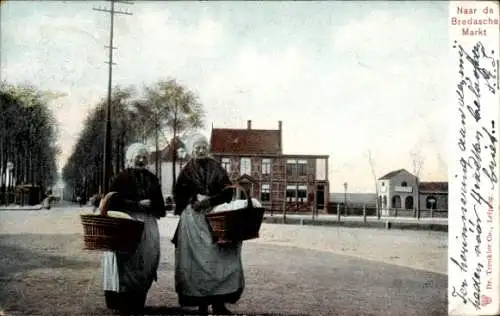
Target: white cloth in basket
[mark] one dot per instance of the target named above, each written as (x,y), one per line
(139,270)
(235,205)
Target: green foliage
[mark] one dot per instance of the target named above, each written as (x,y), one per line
(28,134)
(164,107)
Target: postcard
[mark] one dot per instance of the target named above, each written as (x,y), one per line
(365,134)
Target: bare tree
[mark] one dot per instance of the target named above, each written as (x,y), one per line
(176,108)
(372,167)
(417,162)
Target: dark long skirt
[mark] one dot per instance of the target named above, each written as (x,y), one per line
(127,302)
(205,273)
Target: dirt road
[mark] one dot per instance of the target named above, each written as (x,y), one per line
(289,270)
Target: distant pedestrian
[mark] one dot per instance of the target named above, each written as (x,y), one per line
(169,204)
(46,203)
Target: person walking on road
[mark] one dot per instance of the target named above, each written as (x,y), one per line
(205,273)
(127,278)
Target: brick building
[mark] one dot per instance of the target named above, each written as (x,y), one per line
(254,159)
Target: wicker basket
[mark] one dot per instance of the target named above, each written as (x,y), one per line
(103,233)
(236,225)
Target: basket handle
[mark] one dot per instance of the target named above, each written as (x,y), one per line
(248,197)
(104,204)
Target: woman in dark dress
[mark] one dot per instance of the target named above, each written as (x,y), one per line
(205,273)
(127,278)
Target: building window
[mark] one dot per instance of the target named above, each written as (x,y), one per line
(266,166)
(265,193)
(226,164)
(302,193)
(404,184)
(431,202)
(302,168)
(291,167)
(396,201)
(409,203)
(291,193)
(245,166)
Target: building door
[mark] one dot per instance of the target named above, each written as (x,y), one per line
(248,189)
(320,197)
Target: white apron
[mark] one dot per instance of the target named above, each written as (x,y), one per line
(138,272)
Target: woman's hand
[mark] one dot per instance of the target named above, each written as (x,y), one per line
(201,205)
(145,203)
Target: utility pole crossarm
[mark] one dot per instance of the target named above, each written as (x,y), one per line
(112,11)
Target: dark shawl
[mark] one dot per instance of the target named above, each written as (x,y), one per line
(202,176)
(134,185)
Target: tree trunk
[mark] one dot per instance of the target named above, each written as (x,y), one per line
(30,167)
(16,166)
(117,155)
(174,150)
(157,167)
(122,152)
(25,164)
(2,170)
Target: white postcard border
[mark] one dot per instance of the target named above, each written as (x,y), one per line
(474,195)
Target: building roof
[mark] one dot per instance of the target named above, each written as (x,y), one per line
(245,141)
(304,156)
(392,174)
(433,186)
(247,178)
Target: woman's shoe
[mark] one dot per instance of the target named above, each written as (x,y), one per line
(113,300)
(220,309)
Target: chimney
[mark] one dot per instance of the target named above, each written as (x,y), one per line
(280,123)
(249,124)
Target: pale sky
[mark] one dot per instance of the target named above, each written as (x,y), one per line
(344,77)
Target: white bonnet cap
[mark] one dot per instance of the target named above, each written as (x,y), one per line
(192,140)
(132,152)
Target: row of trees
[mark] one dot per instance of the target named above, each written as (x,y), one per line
(149,115)
(28,135)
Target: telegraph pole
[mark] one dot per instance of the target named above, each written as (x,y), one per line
(107,130)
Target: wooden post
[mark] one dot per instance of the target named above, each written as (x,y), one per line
(364,213)
(283,165)
(338,212)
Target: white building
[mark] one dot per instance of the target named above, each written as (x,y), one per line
(402,193)
(165,173)
(58,189)
(397,190)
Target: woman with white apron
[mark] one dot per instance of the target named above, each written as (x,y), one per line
(127,278)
